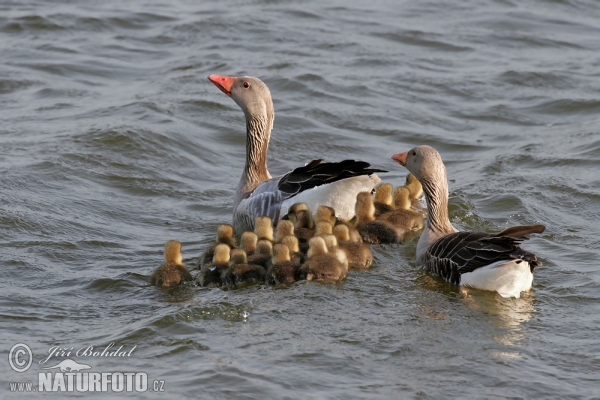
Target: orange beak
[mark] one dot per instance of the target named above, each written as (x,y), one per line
(223,82)
(400,158)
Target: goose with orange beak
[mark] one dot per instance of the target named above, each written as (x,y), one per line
(479,260)
(333,184)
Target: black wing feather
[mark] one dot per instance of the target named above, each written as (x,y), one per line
(462,252)
(317,173)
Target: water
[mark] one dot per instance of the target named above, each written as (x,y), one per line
(114,142)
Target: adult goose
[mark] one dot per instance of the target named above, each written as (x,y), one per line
(480,260)
(333,184)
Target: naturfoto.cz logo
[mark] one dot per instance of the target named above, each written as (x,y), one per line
(69,375)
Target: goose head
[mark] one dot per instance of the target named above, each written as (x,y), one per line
(425,163)
(250,93)
(173,252)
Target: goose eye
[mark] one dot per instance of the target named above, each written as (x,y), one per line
(414,153)
(246,85)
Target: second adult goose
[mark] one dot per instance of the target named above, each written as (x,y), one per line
(316,183)
(480,260)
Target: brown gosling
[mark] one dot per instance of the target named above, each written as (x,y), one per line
(304,229)
(414,186)
(370,230)
(173,272)
(383,199)
(294,208)
(225,234)
(293,245)
(263,253)
(264,228)
(332,247)
(403,217)
(326,214)
(210,274)
(284,228)
(240,272)
(323,227)
(359,255)
(322,265)
(282,269)
(248,242)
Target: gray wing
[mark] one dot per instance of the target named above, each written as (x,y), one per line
(462,252)
(266,200)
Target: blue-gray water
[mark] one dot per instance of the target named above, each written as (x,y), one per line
(112,142)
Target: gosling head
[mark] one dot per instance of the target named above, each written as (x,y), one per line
(222,253)
(383,194)
(225,235)
(173,252)
(284,228)
(402,198)
(281,253)
(264,228)
(248,241)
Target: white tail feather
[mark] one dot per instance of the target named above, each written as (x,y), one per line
(508,278)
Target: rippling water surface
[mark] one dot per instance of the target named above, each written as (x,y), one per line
(113,142)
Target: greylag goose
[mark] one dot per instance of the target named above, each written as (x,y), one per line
(322,265)
(282,270)
(370,230)
(240,272)
(334,184)
(480,260)
(210,274)
(173,271)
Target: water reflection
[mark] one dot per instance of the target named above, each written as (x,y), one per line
(508,313)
